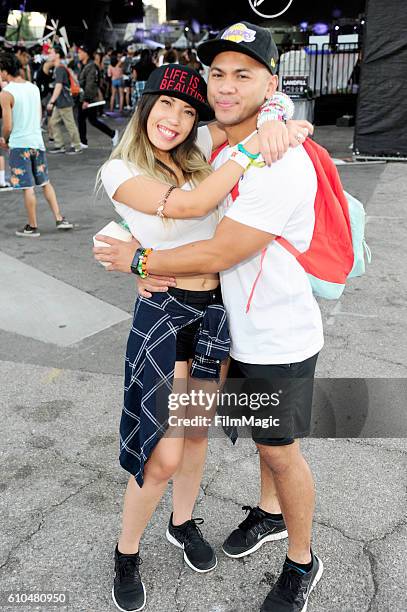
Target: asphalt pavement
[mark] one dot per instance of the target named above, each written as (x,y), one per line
(61,487)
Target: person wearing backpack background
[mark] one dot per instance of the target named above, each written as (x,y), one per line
(276,331)
(61,106)
(89,82)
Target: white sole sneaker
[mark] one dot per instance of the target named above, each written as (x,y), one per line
(274,537)
(315,582)
(134,609)
(174,541)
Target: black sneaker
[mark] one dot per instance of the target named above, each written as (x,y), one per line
(30,232)
(293,588)
(128,592)
(252,533)
(64,224)
(56,150)
(198,553)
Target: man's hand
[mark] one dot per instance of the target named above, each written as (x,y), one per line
(273,140)
(85,105)
(298,131)
(3,143)
(50,107)
(119,254)
(147,286)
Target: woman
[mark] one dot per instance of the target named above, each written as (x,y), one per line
(139,74)
(115,72)
(160,182)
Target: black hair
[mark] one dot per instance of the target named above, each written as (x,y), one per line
(114,61)
(59,51)
(10,63)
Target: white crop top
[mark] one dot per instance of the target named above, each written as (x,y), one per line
(151,230)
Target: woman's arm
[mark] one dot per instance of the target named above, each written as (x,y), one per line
(146,194)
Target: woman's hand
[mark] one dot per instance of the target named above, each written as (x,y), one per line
(298,131)
(153,284)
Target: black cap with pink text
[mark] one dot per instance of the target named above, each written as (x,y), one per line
(181,82)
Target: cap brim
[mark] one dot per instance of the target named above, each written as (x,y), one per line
(208,50)
(204,111)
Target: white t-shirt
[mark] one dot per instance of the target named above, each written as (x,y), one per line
(284,322)
(151,229)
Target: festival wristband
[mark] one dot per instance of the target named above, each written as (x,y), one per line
(240,158)
(278,108)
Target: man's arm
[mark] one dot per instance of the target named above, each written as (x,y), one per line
(56,93)
(6,101)
(233,242)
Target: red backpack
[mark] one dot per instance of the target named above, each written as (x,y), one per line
(330,256)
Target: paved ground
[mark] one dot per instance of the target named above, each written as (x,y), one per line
(61,488)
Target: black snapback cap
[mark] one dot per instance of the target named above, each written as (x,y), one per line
(181,82)
(242,37)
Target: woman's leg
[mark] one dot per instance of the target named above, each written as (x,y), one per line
(140,502)
(121,97)
(187,480)
(112,98)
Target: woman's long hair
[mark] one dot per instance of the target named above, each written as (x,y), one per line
(136,148)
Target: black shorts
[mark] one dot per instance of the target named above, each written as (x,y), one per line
(294,384)
(186,337)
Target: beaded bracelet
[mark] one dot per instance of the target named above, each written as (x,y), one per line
(280,108)
(163,202)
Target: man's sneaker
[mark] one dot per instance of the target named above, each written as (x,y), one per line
(73,151)
(6,187)
(30,232)
(115,139)
(56,150)
(198,553)
(84,146)
(252,533)
(64,224)
(128,592)
(293,588)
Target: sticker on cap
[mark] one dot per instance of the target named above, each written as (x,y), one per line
(239,33)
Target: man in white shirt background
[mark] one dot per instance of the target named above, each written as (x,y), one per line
(277,330)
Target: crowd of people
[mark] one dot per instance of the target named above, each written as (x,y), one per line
(71,88)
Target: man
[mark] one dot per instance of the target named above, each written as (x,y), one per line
(276,330)
(89,82)
(61,107)
(24,58)
(21,132)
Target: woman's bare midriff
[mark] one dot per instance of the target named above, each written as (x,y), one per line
(204,282)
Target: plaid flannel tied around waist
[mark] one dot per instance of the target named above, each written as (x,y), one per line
(149,369)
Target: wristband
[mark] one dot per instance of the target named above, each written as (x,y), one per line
(241,148)
(278,108)
(139,263)
(240,158)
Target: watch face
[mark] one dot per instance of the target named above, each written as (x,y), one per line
(270,9)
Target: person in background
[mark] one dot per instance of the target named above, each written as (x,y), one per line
(140,73)
(89,82)
(24,58)
(115,72)
(61,106)
(170,57)
(21,133)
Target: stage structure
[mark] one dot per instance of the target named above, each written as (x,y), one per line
(382,107)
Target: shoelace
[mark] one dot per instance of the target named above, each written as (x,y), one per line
(289,585)
(129,567)
(192,532)
(251,519)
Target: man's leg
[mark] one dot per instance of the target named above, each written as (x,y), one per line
(295,490)
(50,196)
(30,202)
(71,127)
(56,127)
(97,123)
(82,116)
(269,501)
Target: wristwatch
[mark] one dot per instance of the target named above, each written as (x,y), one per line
(134,263)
